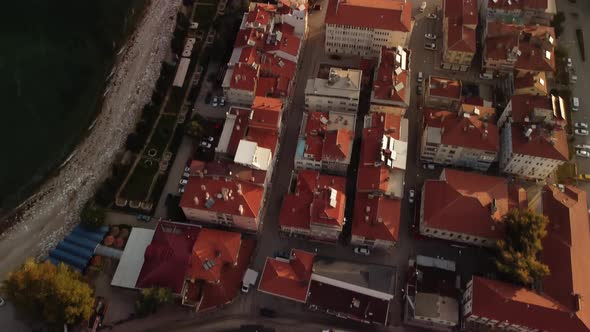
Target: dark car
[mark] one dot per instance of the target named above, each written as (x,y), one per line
(208,98)
(267,312)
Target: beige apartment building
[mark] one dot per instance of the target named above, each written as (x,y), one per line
(339,90)
(459,36)
(364,27)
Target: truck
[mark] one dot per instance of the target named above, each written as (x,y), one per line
(249,279)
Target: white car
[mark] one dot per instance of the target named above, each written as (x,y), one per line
(412,195)
(206,145)
(2,302)
(430,46)
(581,132)
(428,166)
(187,169)
(581,125)
(215,102)
(430,36)
(183,182)
(432,16)
(186,174)
(568,62)
(582,153)
(181,189)
(222,101)
(362,251)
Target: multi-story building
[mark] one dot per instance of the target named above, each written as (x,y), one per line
(533,137)
(467,207)
(442,92)
(391,85)
(293,13)
(376,221)
(522,50)
(459,36)
(325,142)
(384,151)
(364,27)
(468,138)
(520,12)
(316,207)
(432,294)
(339,90)
(531,84)
(490,305)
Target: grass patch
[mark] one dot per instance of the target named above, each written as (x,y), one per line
(566,172)
(162,134)
(139,183)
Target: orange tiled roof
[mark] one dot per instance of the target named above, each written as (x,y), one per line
(244,77)
(288,279)
(376,218)
(444,87)
(289,43)
(212,250)
(266,113)
(386,80)
(374,14)
(337,145)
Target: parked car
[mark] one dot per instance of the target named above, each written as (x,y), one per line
(208,139)
(205,145)
(582,153)
(428,166)
(249,279)
(222,101)
(432,16)
(267,312)
(186,174)
(412,195)
(362,251)
(430,36)
(419,89)
(430,46)
(575,104)
(581,125)
(568,62)
(215,102)
(183,182)
(187,169)
(581,132)
(208,98)
(143,217)
(181,189)
(2,302)
(486,76)
(420,77)
(583,147)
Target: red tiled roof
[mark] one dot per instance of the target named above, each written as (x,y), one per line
(166,258)
(534,57)
(371,178)
(486,113)
(261,14)
(197,188)
(337,145)
(444,87)
(541,143)
(469,132)
(326,211)
(289,43)
(340,300)
(536,4)
(249,37)
(386,79)
(462,203)
(565,249)
(266,87)
(239,130)
(288,279)
(461,16)
(265,138)
(228,169)
(297,210)
(266,113)
(518,305)
(523,106)
(374,14)
(244,77)
(376,218)
(216,248)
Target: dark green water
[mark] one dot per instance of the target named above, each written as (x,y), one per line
(54,58)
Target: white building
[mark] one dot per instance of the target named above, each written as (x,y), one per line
(363,27)
(338,92)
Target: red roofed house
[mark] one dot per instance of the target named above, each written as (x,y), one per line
(459,38)
(531,84)
(241,88)
(530,12)
(442,92)
(316,208)
(203,266)
(523,49)
(288,278)
(363,27)
(325,142)
(466,207)
(383,157)
(490,304)
(391,85)
(222,200)
(468,138)
(263,15)
(534,141)
(376,221)
(283,43)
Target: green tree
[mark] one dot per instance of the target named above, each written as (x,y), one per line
(517,255)
(150,299)
(93,216)
(194,129)
(52,294)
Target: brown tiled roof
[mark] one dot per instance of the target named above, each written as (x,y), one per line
(228,169)
(541,143)
(376,218)
(244,77)
(461,16)
(289,43)
(444,87)
(386,78)
(337,145)
(523,106)
(266,113)
(289,280)
(462,203)
(374,14)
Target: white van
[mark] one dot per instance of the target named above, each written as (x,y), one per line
(423,7)
(249,279)
(575,104)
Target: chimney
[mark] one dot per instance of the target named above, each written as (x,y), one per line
(196,200)
(203,188)
(241,209)
(239,189)
(207,196)
(484,135)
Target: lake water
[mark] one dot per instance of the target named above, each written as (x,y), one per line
(54,59)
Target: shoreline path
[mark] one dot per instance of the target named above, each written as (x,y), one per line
(55,207)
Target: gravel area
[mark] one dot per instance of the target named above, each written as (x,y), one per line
(54,210)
